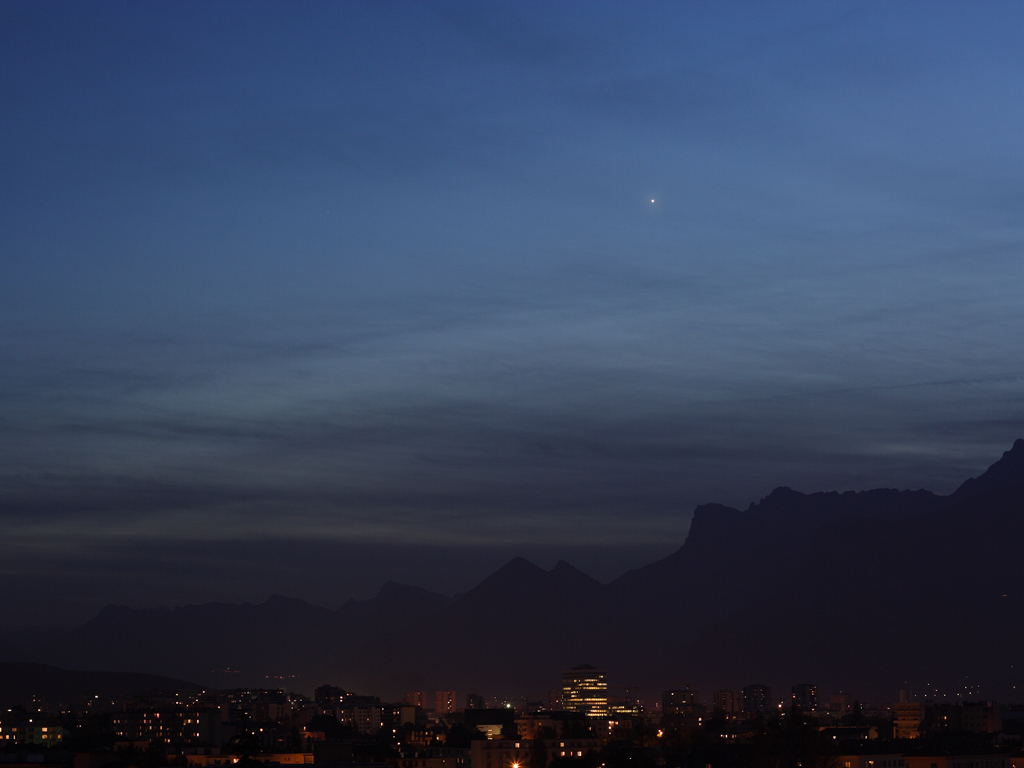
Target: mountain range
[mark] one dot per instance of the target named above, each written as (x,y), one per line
(862,592)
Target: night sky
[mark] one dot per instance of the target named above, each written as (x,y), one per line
(300,297)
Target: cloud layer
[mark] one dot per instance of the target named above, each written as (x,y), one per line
(390,275)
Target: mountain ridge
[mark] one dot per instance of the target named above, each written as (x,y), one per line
(781,588)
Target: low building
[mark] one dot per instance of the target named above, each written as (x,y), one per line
(279,758)
(495,722)
(30,731)
(889,760)
(848,733)
(956,761)
(524,753)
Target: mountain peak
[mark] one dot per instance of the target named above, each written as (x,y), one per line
(518,566)
(1000,485)
(393,593)
(569,574)
(518,577)
(780,497)
(516,571)
(396,588)
(563,567)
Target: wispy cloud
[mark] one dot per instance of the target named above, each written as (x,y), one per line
(377,273)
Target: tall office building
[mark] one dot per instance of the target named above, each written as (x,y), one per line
(584,689)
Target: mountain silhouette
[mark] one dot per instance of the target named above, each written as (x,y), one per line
(865,592)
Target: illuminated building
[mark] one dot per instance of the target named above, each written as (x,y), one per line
(529,725)
(891,760)
(805,697)
(500,753)
(226,761)
(523,753)
(757,698)
(363,713)
(968,717)
(444,702)
(169,725)
(419,759)
(730,703)
(906,720)
(29,731)
(328,697)
(956,761)
(680,701)
(840,703)
(622,706)
(585,690)
(494,722)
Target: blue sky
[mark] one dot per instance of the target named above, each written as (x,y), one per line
(388,276)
